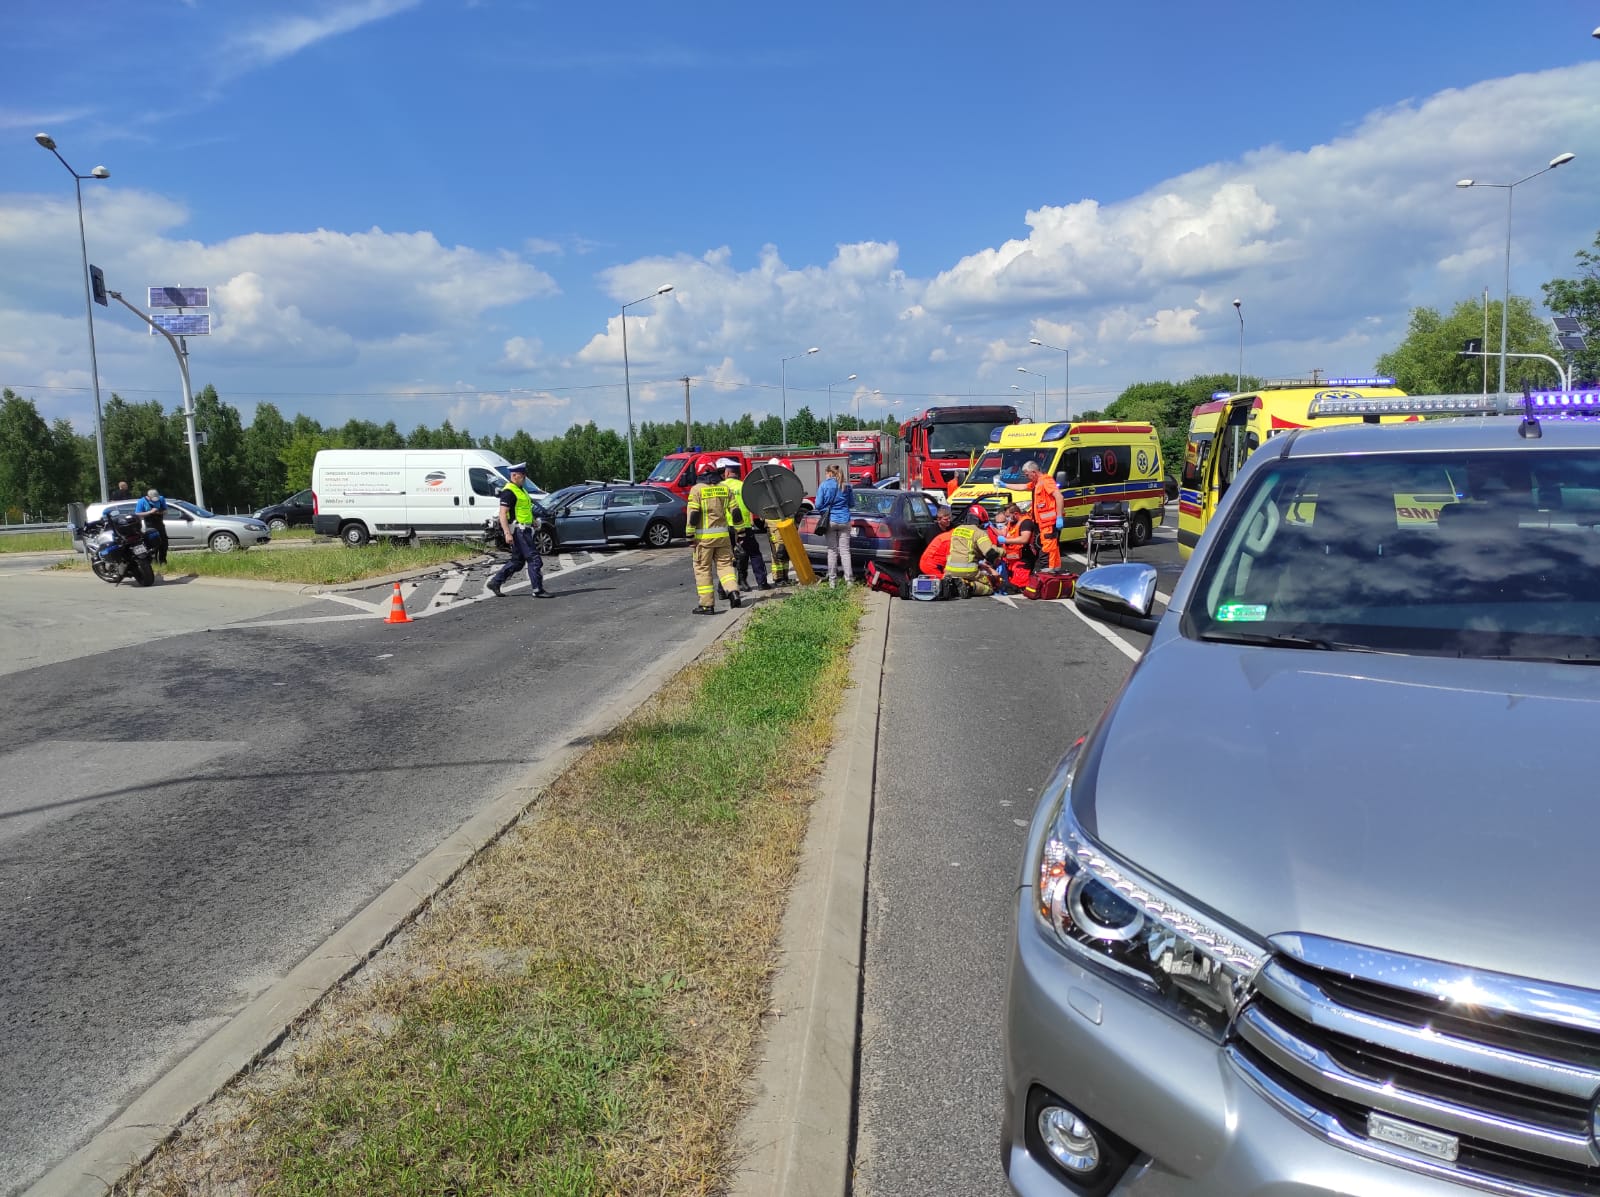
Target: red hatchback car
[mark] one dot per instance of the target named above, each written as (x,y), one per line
(890,527)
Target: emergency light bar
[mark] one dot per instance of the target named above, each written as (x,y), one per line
(1550,403)
(1380,380)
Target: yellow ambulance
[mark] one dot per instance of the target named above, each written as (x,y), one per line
(1224,432)
(1100,461)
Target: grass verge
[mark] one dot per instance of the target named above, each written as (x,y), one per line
(314,566)
(576,1012)
(35,542)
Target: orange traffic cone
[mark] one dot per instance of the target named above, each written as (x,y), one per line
(397,608)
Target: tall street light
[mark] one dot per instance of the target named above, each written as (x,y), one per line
(1510,190)
(627,382)
(1043,386)
(1066,389)
(831,385)
(1238,379)
(1033,397)
(98,172)
(783,380)
(875,394)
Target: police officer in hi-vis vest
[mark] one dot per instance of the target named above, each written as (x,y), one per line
(713,515)
(516,522)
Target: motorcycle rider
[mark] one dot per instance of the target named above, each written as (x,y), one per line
(154,510)
(516,524)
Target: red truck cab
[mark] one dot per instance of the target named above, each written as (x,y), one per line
(676,471)
(865,450)
(938,444)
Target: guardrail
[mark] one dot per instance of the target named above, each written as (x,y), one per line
(14,528)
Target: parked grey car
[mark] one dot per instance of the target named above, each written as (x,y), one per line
(191,527)
(1307,912)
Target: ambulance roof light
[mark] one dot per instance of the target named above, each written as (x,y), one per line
(1220,394)
(1552,403)
(1055,432)
(1377,380)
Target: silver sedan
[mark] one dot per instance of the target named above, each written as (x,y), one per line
(191,527)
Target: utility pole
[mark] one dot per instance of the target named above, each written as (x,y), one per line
(688,423)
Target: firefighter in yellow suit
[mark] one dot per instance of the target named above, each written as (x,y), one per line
(713,514)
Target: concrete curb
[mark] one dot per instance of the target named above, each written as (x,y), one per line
(794,1140)
(151,1118)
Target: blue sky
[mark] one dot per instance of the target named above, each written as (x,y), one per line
(415,209)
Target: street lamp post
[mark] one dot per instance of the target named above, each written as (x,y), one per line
(1066,388)
(783,382)
(1033,397)
(627,382)
(98,172)
(1510,190)
(1238,379)
(831,385)
(1043,386)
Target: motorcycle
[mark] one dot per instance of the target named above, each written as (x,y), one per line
(119,546)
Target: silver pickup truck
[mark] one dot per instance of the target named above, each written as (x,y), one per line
(1332,936)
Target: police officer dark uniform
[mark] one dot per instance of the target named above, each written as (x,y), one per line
(516,522)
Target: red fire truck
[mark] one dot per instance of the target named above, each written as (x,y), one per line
(866,455)
(937,445)
(676,471)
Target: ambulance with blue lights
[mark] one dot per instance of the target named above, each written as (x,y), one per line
(1093,462)
(1224,432)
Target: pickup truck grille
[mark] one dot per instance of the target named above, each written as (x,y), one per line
(1504,1076)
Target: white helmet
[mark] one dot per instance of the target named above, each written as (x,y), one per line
(774,461)
(727,463)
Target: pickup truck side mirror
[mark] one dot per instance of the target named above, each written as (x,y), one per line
(1123,594)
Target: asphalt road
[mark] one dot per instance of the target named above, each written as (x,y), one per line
(981,699)
(184,819)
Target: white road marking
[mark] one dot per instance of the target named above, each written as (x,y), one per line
(1123,646)
(520,582)
(452,586)
(375,608)
(1006,599)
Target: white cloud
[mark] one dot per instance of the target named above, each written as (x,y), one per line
(283,36)
(520,353)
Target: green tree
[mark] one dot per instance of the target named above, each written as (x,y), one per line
(143,447)
(222,454)
(1429,360)
(299,455)
(31,482)
(261,459)
(1580,298)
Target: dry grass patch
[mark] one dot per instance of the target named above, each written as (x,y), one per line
(576,1013)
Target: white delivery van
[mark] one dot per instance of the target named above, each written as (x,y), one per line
(444,494)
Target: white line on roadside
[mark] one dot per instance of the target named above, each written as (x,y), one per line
(1123,646)
(520,582)
(1006,599)
(352,602)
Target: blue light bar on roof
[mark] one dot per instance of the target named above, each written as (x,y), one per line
(1588,401)
(1378,380)
(1220,394)
(1330,405)
(1055,432)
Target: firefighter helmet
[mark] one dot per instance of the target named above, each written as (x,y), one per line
(978,514)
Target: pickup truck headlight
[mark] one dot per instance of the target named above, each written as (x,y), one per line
(1104,913)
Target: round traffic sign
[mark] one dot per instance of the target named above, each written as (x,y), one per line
(773,492)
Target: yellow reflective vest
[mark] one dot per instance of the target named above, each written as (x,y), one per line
(523,514)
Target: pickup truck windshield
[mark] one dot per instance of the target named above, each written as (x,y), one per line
(1472,554)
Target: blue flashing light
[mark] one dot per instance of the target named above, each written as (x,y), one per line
(1055,432)
(1379,380)
(1220,394)
(1584,401)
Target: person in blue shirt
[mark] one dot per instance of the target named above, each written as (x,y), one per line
(833,505)
(154,510)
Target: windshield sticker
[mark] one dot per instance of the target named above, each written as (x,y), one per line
(1241,612)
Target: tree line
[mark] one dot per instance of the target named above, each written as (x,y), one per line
(44,466)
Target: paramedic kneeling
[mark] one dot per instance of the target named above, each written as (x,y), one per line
(973,556)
